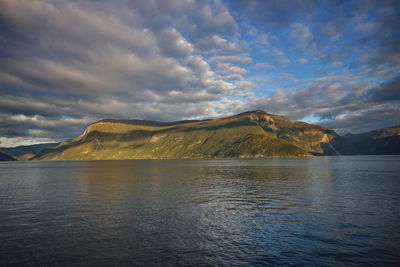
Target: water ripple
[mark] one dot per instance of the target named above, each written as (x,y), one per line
(324,211)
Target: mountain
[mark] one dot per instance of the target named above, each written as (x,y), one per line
(26,152)
(385,141)
(250,134)
(5,157)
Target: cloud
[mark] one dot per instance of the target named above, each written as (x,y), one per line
(265,39)
(386,92)
(264,66)
(75,61)
(301,33)
(280,56)
(215,43)
(204,18)
(283,60)
(339,102)
(364,120)
(240,59)
(39,126)
(234,77)
(367,29)
(229,68)
(378,38)
(276,13)
(172,43)
(331,30)
(302,60)
(246,85)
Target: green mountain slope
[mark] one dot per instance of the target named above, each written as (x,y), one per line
(385,141)
(249,134)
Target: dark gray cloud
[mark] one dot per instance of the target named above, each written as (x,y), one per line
(39,127)
(386,92)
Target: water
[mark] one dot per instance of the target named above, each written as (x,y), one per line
(338,211)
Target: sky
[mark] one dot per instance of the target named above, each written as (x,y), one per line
(66,64)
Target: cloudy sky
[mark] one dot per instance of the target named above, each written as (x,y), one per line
(65,64)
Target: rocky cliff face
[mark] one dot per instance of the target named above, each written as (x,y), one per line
(311,138)
(249,134)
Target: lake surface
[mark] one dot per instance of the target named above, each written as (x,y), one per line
(281,211)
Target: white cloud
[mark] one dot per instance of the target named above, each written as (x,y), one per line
(302,60)
(265,39)
(246,85)
(240,59)
(283,60)
(215,43)
(229,68)
(264,66)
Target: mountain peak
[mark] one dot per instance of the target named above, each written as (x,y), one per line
(249,134)
(257,112)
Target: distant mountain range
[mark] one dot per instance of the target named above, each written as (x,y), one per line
(5,157)
(26,152)
(377,142)
(250,134)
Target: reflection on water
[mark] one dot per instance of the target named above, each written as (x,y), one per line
(314,211)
